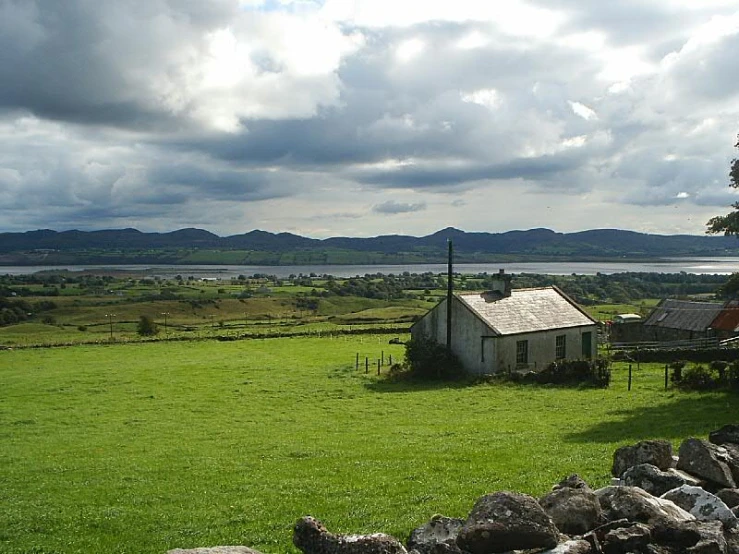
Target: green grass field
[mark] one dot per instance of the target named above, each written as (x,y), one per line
(139,448)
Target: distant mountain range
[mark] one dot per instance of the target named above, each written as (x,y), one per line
(188,246)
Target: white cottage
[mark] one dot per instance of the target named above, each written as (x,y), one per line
(508,330)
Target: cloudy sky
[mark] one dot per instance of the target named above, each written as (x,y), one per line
(366,117)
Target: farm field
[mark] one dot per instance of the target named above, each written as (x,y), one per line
(139,448)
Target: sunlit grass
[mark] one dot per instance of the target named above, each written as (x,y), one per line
(144,447)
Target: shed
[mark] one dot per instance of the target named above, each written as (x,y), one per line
(681,320)
(505,330)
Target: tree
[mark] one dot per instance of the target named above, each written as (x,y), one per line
(146,326)
(728,224)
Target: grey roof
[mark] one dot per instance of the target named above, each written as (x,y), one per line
(681,314)
(526,310)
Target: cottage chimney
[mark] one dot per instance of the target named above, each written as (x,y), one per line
(500,288)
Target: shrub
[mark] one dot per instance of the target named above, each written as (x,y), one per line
(699,377)
(595,373)
(431,360)
(733,376)
(146,326)
(677,370)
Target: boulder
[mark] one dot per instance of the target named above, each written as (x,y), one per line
(311,537)
(652,479)
(573,481)
(655,452)
(570,547)
(637,505)
(729,496)
(214,550)
(703,505)
(437,536)
(727,433)
(574,511)
(624,540)
(712,539)
(707,461)
(732,542)
(505,521)
(732,451)
(696,537)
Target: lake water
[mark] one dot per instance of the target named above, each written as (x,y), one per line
(723,266)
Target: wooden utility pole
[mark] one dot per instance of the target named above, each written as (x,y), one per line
(449,290)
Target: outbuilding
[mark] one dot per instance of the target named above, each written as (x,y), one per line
(512,329)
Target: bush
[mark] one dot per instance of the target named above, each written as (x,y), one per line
(677,370)
(699,377)
(595,373)
(718,375)
(430,360)
(146,326)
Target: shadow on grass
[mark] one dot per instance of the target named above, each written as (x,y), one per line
(681,417)
(417,385)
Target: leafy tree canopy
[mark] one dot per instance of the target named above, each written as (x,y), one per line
(728,224)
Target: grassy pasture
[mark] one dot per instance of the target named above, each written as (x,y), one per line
(138,448)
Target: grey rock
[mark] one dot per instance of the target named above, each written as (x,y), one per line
(624,540)
(707,461)
(652,479)
(506,521)
(214,550)
(574,511)
(729,496)
(727,433)
(637,505)
(573,481)
(703,505)
(570,547)
(437,536)
(312,537)
(696,537)
(655,452)
(732,542)
(732,451)
(712,539)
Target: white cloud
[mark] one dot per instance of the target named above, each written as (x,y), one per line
(409,49)
(583,111)
(489,98)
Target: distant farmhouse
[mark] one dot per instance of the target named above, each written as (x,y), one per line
(507,329)
(680,320)
(673,320)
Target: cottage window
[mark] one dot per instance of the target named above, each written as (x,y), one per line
(522,352)
(560,347)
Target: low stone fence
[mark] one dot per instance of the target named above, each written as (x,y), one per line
(659,503)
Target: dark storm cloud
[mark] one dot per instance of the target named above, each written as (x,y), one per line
(219,184)
(434,176)
(393,208)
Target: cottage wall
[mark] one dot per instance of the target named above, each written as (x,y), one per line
(481,353)
(542,347)
(667,334)
(476,354)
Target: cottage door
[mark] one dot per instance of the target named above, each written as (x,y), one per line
(587,345)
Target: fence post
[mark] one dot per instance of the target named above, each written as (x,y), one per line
(666,377)
(356,364)
(383,357)
(629,376)
(378,367)
(390,361)
(366,364)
